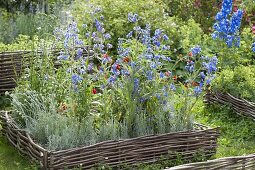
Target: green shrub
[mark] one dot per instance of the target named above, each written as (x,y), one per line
(183,34)
(239,82)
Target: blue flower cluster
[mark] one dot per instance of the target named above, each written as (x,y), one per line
(207,74)
(98,37)
(253,47)
(228,29)
(132,17)
(195,50)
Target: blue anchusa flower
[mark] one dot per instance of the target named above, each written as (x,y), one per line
(195,50)
(90,67)
(79,53)
(71,35)
(211,65)
(107,36)
(130,34)
(153,65)
(99,26)
(132,17)
(63,57)
(172,87)
(165,47)
(197,90)
(190,66)
(165,37)
(202,75)
(161,75)
(136,85)
(109,46)
(76,79)
(253,47)
(111,80)
(149,75)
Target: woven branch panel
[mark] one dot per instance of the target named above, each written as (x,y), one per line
(145,149)
(228,163)
(12,63)
(240,106)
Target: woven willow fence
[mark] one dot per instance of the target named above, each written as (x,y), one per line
(144,149)
(240,106)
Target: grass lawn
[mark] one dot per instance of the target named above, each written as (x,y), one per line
(237,132)
(10,159)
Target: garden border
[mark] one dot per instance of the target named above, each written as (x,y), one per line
(135,151)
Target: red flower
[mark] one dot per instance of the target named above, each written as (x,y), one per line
(94,91)
(117,66)
(190,54)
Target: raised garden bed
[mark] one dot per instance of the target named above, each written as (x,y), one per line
(144,149)
(231,163)
(240,106)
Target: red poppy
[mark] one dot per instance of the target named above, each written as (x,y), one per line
(94,91)
(190,54)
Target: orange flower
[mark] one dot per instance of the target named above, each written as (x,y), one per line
(175,77)
(126,59)
(194,84)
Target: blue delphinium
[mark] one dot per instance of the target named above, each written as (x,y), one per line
(228,29)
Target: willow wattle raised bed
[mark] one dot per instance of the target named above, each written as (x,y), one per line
(134,151)
(240,106)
